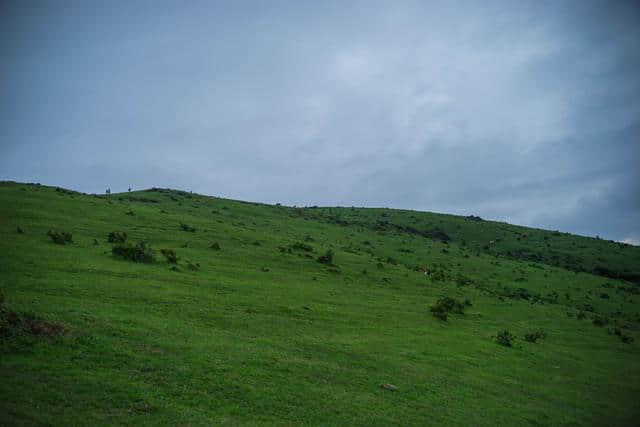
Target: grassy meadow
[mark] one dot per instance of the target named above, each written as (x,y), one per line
(258,324)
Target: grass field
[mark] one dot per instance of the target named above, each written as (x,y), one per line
(260,332)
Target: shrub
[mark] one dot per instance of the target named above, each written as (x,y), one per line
(170,255)
(600,321)
(193,266)
(505,338)
(19,230)
(215,246)
(117,237)
(141,252)
(61,237)
(447,304)
(301,247)
(586,307)
(440,314)
(534,336)
(581,315)
(327,258)
(626,339)
(186,227)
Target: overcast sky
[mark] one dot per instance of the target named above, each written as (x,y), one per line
(527,112)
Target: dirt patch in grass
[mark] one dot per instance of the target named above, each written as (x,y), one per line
(12,323)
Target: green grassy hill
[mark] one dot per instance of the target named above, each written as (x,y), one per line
(256,330)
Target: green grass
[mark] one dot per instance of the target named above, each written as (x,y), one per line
(263,333)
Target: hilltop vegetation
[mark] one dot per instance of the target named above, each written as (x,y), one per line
(166,307)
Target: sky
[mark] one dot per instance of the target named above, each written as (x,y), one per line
(517,111)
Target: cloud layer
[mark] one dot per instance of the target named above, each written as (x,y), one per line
(524,112)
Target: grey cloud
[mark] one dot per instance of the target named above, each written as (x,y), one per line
(527,112)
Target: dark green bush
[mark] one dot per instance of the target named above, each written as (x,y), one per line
(60,237)
(117,237)
(505,338)
(193,266)
(535,335)
(19,230)
(301,247)
(140,252)
(447,304)
(439,313)
(600,321)
(626,339)
(170,255)
(186,227)
(327,258)
(215,246)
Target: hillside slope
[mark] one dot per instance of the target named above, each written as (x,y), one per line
(249,327)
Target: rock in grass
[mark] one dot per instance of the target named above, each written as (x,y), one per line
(389,387)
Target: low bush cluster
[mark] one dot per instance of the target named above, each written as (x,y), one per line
(117,237)
(299,246)
(535,335)
(327,258)
(194,266)
(505,338)
(141,252)
(60,237)
(447,304)
(623,337)
(600,321)
(170,255)
(186,227)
